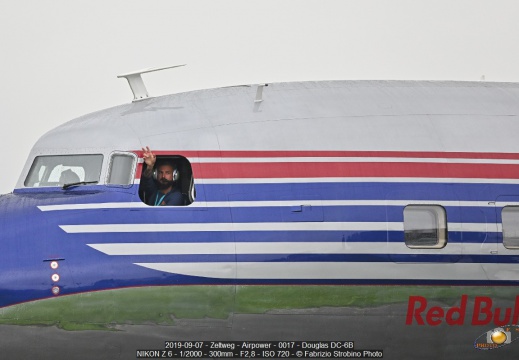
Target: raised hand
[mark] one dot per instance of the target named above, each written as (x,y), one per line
(149,157)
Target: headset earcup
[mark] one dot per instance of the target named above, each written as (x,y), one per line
(175,175)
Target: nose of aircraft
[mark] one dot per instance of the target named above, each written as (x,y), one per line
(21,235)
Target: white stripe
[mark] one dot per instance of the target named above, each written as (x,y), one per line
(204,227)
(223,270)
(165,248)
(237,204)
(335,270)
(356,180)
(332,159)
(266,226)
(248,248)
(118,205)
(325,203)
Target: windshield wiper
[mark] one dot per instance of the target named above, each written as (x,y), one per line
(66,186)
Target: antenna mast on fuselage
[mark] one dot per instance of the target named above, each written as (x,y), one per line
(136,83)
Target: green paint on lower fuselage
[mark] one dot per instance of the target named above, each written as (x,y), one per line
(166,305)
(143,305)
(259,299)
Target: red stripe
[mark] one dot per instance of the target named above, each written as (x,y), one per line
(367,154)
(322,170)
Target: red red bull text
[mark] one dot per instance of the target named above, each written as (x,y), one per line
(483,312)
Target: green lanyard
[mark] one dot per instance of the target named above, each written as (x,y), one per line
(158,201)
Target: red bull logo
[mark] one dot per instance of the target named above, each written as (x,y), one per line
(483,312)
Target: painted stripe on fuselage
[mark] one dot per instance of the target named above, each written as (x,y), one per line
(237,204)
(351,160)
(355,169)
(312,154)
(333,270)
(318,180)
(272,226)
(276,248)
(347,166)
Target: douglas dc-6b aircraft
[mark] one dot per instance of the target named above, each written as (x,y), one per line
(380,212)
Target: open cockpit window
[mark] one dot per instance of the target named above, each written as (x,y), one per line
(62,170)
(170,182)
(122,169)
(425,226)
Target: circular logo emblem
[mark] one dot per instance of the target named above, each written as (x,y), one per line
(497,337)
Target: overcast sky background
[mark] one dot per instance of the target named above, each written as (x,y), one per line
(59,59)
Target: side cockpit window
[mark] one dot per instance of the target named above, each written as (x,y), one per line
(166,180)
(510,219)
(61,170)
(121,169)
(425,226)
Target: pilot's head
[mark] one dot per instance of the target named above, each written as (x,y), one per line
(166,174)
(68,177)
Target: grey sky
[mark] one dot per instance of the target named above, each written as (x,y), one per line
(60,58)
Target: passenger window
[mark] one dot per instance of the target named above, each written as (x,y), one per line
(510,221)
(122,169)
(425,226)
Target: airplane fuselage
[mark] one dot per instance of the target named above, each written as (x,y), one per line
(321,199)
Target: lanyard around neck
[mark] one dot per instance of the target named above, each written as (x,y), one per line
(157,200)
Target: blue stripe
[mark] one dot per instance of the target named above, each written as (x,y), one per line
(357,214)
(360,191)
(335,258)
(272,236)
(300,191)
(261,214)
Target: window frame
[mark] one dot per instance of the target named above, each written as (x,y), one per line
(48,171)
(132,170)
(181,162)
(503,228)
(441,226)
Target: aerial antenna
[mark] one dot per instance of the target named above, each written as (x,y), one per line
(259,93)
(136,83)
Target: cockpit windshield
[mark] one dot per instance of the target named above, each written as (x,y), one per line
(60,170)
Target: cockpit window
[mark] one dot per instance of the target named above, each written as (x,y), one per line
(59,170)
(180,173)
(122,169)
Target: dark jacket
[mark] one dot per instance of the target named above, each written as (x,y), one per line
(154,197)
